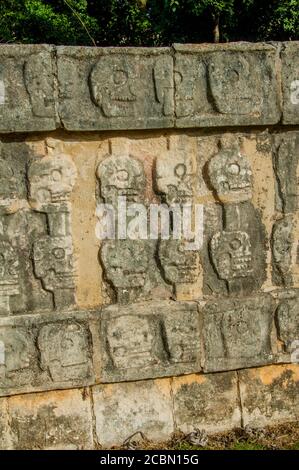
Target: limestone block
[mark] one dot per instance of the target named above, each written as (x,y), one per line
(290,82)
(57,420)
(115,88)
(283,244)
(121,410)
(269,395)
(207,402)
(5,437)
(238,334)
(27,88)
(148,340)
(232,84)
(287,322)
(41,352)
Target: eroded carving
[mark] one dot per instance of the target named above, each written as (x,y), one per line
(175,178)
(163,78)
(65,351)
(121,176)
(112,86)
(182,336)
(230,175)
(9,275)
(287,320)
(126,265)
(286,163)
(282,243)
(37,70)
(180,265)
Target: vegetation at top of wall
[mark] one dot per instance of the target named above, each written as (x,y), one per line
(146,22)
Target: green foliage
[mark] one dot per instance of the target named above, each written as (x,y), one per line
(147,22)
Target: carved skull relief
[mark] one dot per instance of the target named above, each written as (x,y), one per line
(112,86)
(231,254)
(127,350)
(235,84)
(9,269)
(37,71)
(282,243)
(231,176)
(180,265)
(54,262)
(64,349)
(19,353)
(51,180)
(175,178)
(121,176)
(8,185)
(126,262)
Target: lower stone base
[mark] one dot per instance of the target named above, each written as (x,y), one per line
(107,415)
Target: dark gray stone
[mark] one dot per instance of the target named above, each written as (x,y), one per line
(27,88)
(282,243)
(237,334)
(287,321)
(150,340)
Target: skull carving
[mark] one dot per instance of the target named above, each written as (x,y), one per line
(231,176)
(51,180)
(126,262)
(231,254)
(64,350)
(180,265)
(127,350)
(112,86)
(235,84)
(19,351)
(174,179)
(53,262)
(9,269)
(8,185)
(121,176)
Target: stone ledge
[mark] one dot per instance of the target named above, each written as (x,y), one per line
(91,89)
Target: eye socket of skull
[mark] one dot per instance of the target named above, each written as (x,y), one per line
(122,175)
(120,77)
(235,244)
(58,253)
(234,169)
(56,175)
(180,170)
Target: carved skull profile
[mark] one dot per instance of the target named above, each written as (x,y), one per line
(54,262)
(236,85)
(121,176)
(126,262)
(230,175)
(112,86)
(130,350)
(8,185)
(180,265)
(64,350)
(9,269)
(19,351)
(37,71)
(174,178)
(51,179)
(231,254)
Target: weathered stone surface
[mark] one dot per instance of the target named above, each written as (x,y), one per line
(269,395)
(121,410)
(27,84)
(128,88)
(286,165)
(58,420)
(41,352)
(208,402)
(287,322)
(150,340)
(282,247)
(290,82)
(233,84)
(238,334)
(5,438)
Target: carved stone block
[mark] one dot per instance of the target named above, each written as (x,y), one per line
(27,85)
(238,334)
(150,340)
(65,351)
(282,247)
(286,165)
(230,175)
(53,259)
(180,265)
(287,321)
(9,275)
(121,89)
(234,85)
(290,82)
(175,178)
(121,176)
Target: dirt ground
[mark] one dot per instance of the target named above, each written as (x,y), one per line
(280,437)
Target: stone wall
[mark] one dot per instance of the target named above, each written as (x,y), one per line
(102,339)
